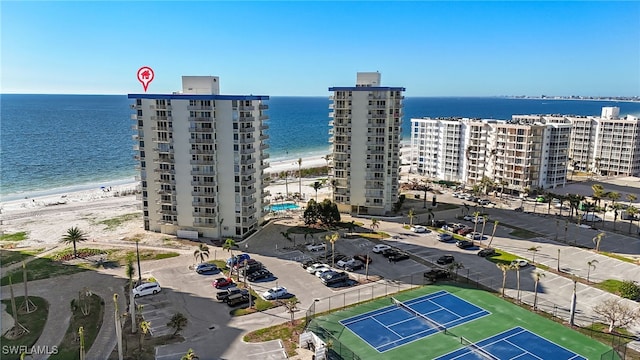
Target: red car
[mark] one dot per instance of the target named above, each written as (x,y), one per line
(222,282)
(465,231)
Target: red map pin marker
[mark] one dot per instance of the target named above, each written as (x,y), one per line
(145,76)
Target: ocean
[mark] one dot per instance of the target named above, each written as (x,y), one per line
(58,143)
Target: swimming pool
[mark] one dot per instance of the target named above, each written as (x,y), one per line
(282,207)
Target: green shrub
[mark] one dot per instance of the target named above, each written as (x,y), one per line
(630,290)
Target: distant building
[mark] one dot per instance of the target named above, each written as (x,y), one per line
(526,152)
(366,134)
(201,159)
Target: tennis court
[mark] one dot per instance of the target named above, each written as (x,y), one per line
(516,343)
(399,324)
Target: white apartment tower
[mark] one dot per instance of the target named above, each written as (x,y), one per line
(366,133)
(436,148)
(201,159)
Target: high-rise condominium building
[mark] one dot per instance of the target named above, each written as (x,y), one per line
(366,134)
(511,155)
(201,159)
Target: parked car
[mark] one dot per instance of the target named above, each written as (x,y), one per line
(237,259)
(150,288)
(251,268)
(438,223)
(275,293)
(474,236)
(399,256)
(344,262)
(436,274)
(479,220)
(520,263)
(456,195)
(389,252)
(445,237)
(237,299)
(334,278)
(486,252)
(206,267)
(317,247)
(315,267)
(452,227)
(418,229)
(323,271)
(222,282)
(364,258)
(484,202)
(357,265)
(259,275)
(591,218)
(223,295)
(464,244)
(465,231)
(380,248)
(468,217)
(445,259)
(307,263)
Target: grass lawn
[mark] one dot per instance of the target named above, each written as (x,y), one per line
(610,285)
(70,345)
(41,268)
(286,332)
(377,235)
(34,322)
(113,223)
(119,256)
(9,257)
(19,236)
(521,233)
(619,257)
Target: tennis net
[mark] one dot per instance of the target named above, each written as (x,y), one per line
(477,349)
(431,323)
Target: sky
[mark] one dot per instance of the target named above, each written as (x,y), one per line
(301,48)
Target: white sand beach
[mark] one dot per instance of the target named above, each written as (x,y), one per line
(47,217)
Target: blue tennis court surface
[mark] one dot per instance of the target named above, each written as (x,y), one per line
(517,343)
(392,326)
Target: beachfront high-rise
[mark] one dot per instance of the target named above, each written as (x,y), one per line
(201,159)
(366,134)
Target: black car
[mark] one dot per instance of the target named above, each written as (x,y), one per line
(237,299)
(438,223)
(357,265)
(445,259)
(388,252)
(223,295)
(334,278)
(398,256)
(486,252)
(464,244)
(306,263)
(250,269)
(436,274)
(259,275)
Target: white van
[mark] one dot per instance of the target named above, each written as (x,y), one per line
(591,218)
(146,289)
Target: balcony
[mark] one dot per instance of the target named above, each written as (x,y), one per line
(264,146)
(165,118)
(203,183)
(199,107)
(203,172)
(247,129)
(264,156)
(246,107)
(245,182)
(248,192)
(166,212)
(264,127)
(201,141)
(247,118)
(263,136)
(162,128)
(263,107)
(204,215)
(164,181)
(165,171)
(263,117)
(200,130)
(164,192)
(136,117)
(201,192)
(248,202)
(247,151)
(200,151)
(136,127)
(160,107)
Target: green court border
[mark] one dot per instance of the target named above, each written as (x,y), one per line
(504,316)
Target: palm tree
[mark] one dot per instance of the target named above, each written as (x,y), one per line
(308,233)
(201,252)
(591,265)
(537,275)
(495,225)
(534,250)
(228,245)
(597,239)
(598,193)
(74,235)
(332,239)
(475,220)
(177,322)
(631,213)
(316,186)
(190,355)
(375,223)
(131,271)
(145,326)
(484,224)
(504,268)
(455,266)
(411,215)
(516,267)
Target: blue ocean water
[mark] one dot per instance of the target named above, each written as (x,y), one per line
(56,141)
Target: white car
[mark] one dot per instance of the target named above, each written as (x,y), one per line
(380,248)
(345,262)
(480,220)
(275,293)
(519,263)
(323,271)
(315,267)
(474,236)
(151,288)
(591,218)
(418,229)
(468,217)
(317,247)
